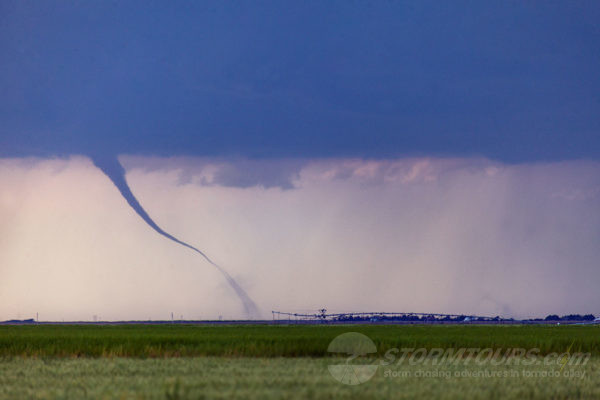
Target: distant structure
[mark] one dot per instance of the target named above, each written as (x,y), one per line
(358,317)
(323,313)
(321,316)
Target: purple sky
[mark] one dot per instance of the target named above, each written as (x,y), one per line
(456,235)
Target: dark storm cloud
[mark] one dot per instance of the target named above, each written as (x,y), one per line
(512,81)
(228,172)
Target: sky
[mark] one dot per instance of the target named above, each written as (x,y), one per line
(342,154)
(413,234)
(514,81)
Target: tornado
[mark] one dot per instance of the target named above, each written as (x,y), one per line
(113,169)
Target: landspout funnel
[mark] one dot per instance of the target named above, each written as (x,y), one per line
(113,169)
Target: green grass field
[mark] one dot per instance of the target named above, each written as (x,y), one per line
(263,362)
(275,341)
(263,378)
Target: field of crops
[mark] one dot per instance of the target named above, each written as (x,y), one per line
(276,340)
(264,362)
(266,378)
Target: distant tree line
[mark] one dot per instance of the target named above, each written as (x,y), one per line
(459,318)
(570,317)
